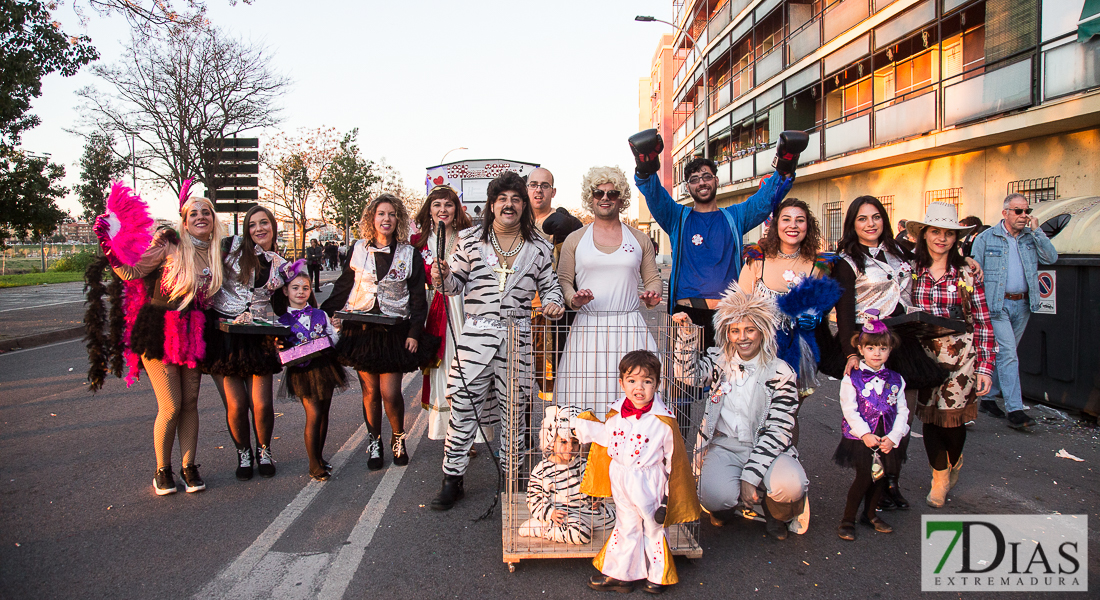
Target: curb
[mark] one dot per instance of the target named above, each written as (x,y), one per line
(41,339)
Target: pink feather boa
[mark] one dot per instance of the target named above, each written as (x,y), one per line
(135,225)
(183,341)
(133,299)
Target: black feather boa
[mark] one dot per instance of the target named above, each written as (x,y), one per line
(95,335)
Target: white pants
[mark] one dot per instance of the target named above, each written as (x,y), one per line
(637,538)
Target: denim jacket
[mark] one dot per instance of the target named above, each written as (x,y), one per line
(991,251)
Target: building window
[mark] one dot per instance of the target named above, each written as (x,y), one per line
(834,223)
(887,203)
(1036,190)
(949,195)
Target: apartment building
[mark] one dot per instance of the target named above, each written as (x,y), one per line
(907,100)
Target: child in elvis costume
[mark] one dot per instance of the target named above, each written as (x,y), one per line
(638,458)
(872,398)
(313,380)
(560,512)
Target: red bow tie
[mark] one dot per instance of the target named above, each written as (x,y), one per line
(629,410)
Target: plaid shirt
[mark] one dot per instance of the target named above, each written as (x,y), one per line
(934,297)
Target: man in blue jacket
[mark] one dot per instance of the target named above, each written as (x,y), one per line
(1010,253)
(706,240)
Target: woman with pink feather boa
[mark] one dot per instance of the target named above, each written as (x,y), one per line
(167,331)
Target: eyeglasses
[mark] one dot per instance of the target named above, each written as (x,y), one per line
(704,178)
(612,195)
(1020,211)
(534,185)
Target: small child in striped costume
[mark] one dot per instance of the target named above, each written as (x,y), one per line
(559,511)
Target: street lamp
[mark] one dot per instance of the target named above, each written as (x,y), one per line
(450,151)
(706,99)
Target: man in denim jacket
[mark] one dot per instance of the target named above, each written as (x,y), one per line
(1010,253)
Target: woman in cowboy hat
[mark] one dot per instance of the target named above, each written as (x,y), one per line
(943,285)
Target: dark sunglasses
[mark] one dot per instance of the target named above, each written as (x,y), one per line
(612,195)
(1020,211)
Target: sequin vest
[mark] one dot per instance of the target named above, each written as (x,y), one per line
(392,292)
(873,401)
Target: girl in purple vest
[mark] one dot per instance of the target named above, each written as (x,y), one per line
(312,381)
(876,418)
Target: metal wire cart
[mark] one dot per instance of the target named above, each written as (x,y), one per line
(557,364)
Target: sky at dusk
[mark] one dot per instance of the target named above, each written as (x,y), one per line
(554,83)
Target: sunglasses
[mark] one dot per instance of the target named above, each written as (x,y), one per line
(1020,211)
(612,195)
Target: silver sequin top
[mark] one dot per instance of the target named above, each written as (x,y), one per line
(234,297)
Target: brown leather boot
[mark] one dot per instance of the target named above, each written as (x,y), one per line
(940,483)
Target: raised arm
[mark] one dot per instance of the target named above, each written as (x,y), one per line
(753,211)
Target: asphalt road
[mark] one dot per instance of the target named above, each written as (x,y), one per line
(78,517)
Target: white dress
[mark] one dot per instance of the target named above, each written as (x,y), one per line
(606,328)
(439,409)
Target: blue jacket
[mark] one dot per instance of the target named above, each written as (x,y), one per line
(671,216)
(990,249)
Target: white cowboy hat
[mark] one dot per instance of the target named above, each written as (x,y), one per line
(939,214)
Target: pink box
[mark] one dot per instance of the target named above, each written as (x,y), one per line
(304,352)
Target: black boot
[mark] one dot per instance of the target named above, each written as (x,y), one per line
(893,493)
(775,528)
(452,492)
(400,454)
(374,452)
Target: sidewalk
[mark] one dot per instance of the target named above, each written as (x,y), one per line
(40,314)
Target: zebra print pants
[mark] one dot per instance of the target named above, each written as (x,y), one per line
(487,397)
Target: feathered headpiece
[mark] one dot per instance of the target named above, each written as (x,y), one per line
(290,270)
(556,422)
(737,306)
(185,192)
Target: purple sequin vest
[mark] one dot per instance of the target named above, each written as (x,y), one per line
(875,402)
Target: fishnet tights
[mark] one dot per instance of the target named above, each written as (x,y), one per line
(177,391)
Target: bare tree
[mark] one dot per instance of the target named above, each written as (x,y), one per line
(152,16)
(170,95)
(294,167)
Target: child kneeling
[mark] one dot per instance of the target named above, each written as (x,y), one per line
(876,419)
(638,458)
(560,512)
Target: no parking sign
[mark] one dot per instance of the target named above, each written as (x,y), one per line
(1048,298)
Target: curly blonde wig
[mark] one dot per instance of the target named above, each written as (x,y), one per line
(737,306)
(597,176)
(366,222)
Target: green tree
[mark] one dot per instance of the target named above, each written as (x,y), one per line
(98,169)
(348,183)
(32,46)
(29,190)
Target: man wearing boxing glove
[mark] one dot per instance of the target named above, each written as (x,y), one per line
(706,238)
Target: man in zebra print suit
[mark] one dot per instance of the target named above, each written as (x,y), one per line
(499,265)
(749,416)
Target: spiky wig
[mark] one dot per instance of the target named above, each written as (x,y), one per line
(735,307)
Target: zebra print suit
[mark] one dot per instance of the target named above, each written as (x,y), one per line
(553,486)
(478,378)
(772,459)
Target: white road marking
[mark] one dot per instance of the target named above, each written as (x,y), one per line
(10,352)
(259,573)
(40,305)
(343,568)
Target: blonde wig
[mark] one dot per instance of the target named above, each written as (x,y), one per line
(735,307)
(597,176)
(181,273)
(366,222)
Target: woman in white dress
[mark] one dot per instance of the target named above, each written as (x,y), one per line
(601,269)
(441,206)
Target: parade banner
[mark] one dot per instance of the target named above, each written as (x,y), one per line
(470,178)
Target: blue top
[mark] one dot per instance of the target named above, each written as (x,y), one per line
(991,250)
(708,266)
(672,217)
(1016,283)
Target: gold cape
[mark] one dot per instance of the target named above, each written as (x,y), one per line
(683,502)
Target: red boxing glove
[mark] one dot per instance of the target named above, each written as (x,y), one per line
(646,146)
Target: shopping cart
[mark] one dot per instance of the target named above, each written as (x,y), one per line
(556,364)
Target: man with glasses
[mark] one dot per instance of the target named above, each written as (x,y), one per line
(706,239)
(1010,253)
(554,226)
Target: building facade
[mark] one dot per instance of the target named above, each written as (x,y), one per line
(907,100)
